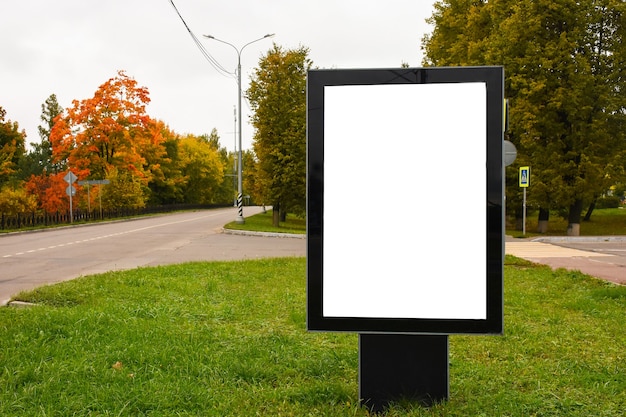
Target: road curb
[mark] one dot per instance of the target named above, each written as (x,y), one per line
(580,239)
(21,304)
(264,234)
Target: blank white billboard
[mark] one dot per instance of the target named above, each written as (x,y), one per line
(404,193)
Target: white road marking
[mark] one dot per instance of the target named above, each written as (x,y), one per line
(112,235)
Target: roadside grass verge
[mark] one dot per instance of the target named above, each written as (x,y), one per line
(263,222)
(229,339)
(603,222)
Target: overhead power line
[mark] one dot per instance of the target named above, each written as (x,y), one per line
(214,62)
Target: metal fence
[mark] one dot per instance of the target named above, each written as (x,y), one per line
(43,219)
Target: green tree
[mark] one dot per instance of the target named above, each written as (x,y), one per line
(38,161)
(12,147)
(50,109)
(277,95)
(167,181)
(250,176)
(202,169)
(224,193)
(564,81)
(16,201)
(124,191)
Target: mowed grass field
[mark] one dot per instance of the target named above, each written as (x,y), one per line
(230,339)
(603,222)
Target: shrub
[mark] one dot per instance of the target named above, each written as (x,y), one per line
(608,202)
(14,201)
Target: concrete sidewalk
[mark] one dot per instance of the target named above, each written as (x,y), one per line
(546,251)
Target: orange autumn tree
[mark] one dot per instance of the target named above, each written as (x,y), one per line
(50,192)
(110,131)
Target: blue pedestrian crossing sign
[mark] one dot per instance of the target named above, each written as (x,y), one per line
(524,177)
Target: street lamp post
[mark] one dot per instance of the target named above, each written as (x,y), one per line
(239,218)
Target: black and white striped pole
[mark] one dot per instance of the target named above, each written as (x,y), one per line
(240,218)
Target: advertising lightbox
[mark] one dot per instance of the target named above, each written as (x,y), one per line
(405,193)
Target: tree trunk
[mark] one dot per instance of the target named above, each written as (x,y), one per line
(544,216)
(592,206)
(519,218)
(575,213)
(276,215)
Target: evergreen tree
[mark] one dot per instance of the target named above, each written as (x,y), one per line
(39,160)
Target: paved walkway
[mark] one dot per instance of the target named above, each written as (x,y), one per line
(540,250)
(600,265)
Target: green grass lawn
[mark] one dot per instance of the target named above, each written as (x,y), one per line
(263,222)
(229,339)
(603,222)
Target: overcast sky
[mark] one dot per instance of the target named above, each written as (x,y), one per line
(71,47)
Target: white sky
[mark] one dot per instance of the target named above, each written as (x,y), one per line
(71,47)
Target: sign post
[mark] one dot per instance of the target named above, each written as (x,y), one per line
(362,276)
(524,182)
(88,183)
(70,178)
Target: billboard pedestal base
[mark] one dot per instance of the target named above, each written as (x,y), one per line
(399,367)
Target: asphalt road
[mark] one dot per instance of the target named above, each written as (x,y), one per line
(32,259)
(29,260)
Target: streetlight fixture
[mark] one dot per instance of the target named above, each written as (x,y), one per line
(239,219)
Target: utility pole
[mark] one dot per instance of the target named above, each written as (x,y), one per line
(239,219)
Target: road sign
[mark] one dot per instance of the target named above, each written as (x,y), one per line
(510,153)
(94,182)
(70,178)
(524,177)
(70,191)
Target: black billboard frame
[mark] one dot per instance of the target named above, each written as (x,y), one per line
(493,78)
